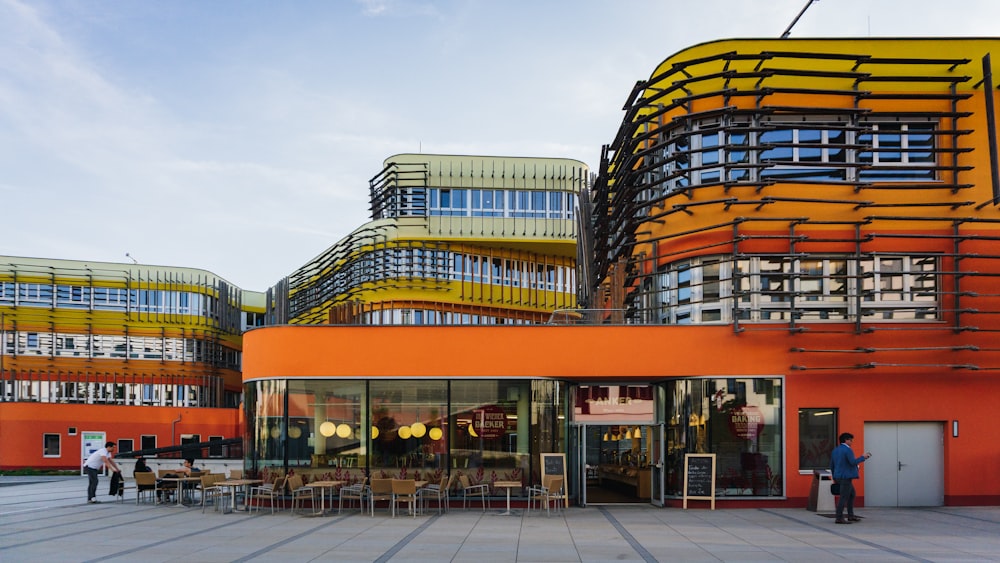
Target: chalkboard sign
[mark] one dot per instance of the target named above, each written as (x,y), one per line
(699,477)
(554,465)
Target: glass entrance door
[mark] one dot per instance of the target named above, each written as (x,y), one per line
(615,463)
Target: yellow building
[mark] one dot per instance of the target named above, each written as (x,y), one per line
(452,240)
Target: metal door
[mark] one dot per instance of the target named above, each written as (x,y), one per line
(907,464)
(581,464)
(658,469)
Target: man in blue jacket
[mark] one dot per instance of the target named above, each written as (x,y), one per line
(844,467)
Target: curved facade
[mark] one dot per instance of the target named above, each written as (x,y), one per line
(453,240)
(839,197)
(149,355)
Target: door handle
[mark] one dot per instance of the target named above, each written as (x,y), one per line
(901,464)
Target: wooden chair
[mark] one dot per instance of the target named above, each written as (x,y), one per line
(381,489)
(404,490)
(145,485)
(469,490)
(209,491)
(298,489)
(550,492)
(235,473)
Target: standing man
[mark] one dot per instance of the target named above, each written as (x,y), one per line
(844,466)
(94,464)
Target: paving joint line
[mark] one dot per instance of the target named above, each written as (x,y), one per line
(406,540)
(642,551)
(848,536)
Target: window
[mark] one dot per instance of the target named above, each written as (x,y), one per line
(799,153)
(51,445)
(899,152)
(817,437)
(125,445)
(900,287)
(73,296)
(215,450)
(147,442)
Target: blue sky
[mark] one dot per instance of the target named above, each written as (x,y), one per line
(239,137)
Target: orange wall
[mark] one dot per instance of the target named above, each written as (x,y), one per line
(23,424)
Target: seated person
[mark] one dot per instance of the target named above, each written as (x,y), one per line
(183,471)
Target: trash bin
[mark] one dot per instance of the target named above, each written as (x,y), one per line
(820,497)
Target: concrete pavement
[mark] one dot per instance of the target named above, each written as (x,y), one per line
(47,519)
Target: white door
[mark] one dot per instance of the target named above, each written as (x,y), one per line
(907,464)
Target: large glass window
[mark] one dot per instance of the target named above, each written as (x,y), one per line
(817,437)
(739,420)
(409,428)
(490,430)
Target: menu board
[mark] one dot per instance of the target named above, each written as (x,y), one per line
(699,477)
(554,465)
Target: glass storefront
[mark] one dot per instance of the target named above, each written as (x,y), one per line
(739,420)
(344,429)
(493,430)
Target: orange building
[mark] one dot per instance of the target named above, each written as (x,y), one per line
(787,239)
(146,356)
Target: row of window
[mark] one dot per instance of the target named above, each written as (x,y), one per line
(52,443)
(464,202)
(411,316)
(161,348)
(460,202)
(785,288)
(100,393)
(106,298)
(813,149)
(443,265)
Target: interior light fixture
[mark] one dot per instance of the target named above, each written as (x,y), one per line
(276,432)
(328,429)
(435,433)
(343,430)
(418,429)
(294,432)
(374,432)
(404,432)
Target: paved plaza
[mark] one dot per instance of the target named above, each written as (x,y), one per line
(47,519)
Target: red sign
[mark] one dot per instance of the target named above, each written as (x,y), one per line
(489,422)
(746,422)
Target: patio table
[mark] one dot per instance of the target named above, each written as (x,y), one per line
(507,485)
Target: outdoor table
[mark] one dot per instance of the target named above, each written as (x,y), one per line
(180,485)
(323,486)
(507,485)
(233,484)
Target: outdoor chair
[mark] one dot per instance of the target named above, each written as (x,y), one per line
(299,491)
(439,492)
(350,493)
(549,492)
(272,493)
(145,485)
(404,490)
(381,489)
(471,491)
